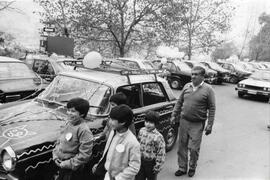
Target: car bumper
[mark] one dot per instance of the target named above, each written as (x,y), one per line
(253,92)
(8,177)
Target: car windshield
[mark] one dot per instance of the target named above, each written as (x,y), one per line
(127,63)
(183,66)
(11,70)
(64,88)
(215,66)
(239,68)
(148,65)
(265,76)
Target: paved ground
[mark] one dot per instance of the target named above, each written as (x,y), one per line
(238,147)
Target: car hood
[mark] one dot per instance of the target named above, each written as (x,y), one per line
(29,124)
(255,82)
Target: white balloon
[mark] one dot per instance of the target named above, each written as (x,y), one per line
(92,59)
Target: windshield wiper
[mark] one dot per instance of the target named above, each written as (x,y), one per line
(50,101)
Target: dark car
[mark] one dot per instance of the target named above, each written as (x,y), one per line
(222,74)
(210,75)
(48,67)
(179,73)
(237,73)
(18,81)
(258,84)
(30,129)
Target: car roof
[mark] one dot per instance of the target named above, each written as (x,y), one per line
(131,59)
(8,59)
(111,78)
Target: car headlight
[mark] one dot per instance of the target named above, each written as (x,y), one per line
(8,159)
(266,89)
(241,85)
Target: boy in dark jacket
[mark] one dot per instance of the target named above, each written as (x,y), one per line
(74,146)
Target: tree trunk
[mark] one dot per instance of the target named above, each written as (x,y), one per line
(122,51)
(189,48)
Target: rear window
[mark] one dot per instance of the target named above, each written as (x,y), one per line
(10,70)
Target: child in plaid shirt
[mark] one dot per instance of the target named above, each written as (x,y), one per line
(152,148)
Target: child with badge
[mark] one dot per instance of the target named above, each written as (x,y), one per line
(121,156)
(74,146)
(152,146)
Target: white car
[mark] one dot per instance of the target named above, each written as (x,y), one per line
(257,84)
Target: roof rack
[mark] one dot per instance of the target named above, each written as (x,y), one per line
(125,71)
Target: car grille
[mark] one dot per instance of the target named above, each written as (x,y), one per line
(253,87)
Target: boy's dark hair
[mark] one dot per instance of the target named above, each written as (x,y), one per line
(199,68)
(152,116)
(81,105)
(119,98)
(123,114)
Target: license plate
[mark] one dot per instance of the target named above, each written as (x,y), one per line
(252,92)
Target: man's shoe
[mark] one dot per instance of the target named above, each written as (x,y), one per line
(191,172)
(180,173)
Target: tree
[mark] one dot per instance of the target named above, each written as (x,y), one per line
(259,45)
(114,23)
(225,51)
(203,22)
(6,5)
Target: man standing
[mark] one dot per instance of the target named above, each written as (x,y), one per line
(195,104)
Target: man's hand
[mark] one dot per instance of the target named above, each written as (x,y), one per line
(208,130)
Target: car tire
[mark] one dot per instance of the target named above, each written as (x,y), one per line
(171,137)
(240,94)
(175,83)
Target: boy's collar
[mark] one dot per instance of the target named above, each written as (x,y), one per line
(76,121)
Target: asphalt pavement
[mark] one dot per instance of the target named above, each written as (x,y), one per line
(238,148)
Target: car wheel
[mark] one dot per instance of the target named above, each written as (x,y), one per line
(240,94)
(171,137)
(175,84)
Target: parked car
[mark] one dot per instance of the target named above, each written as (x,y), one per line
(247,66)
(133,63)
(48,67)
(18,81)
(179,73)
(258,84)
(222,74)
(29,130)
(237,73)
(210,75)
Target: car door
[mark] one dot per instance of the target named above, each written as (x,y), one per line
(151,96)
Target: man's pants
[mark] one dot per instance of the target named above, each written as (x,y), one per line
(190,137)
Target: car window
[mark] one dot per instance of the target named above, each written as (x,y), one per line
(133,95)
(148,65)
(15,70)
(173,68)
(183,66)
(43,67)
(152,94)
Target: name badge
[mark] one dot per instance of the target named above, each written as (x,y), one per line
(68,136)
(120,148)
